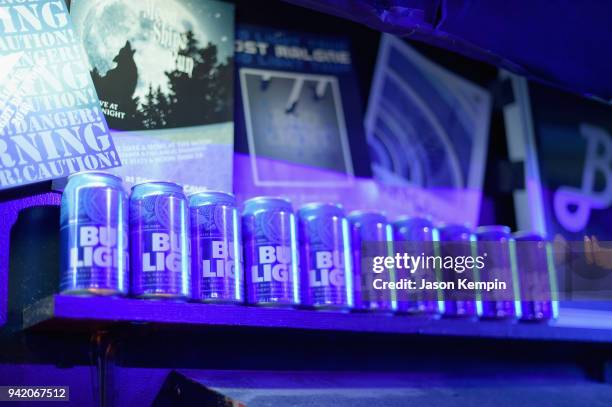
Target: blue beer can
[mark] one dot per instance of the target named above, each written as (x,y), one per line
(416,236)
(371,237)
(325,257)
(458,241)
(269,232)
(216,248)
(537,276)
(159,241)
(496,245)
(94,235)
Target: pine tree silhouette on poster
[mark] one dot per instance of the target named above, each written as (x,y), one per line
(163,107)
(191,97)
(149,110)
(205,97)
(224,92)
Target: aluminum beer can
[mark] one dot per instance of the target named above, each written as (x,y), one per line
(269,232)
(458,241)
(415,236)
(216,248)
(159,241)
(371,236)
(496,245)
(325,257)
(536,275)
(94,235)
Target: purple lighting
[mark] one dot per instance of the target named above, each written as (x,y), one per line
(354,193)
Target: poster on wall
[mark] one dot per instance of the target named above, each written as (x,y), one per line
(427,130)
(298,129)
(567,160)
(313,136)
(164,73)
(51,122)
(575,162)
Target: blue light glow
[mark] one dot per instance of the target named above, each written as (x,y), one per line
(552,276)
(120,244)
(185,266)
(237,256)
(294,260)
(435,237)
(515,279)
(478,294)
(73,271)
(348,263)
(390,253)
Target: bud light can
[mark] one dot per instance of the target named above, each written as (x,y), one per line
(537,277)
(217,248)
(496,245)
(456,241)
(94,235)
(270,252)
(416,237)
(371,237)
(159,233)
(325,257)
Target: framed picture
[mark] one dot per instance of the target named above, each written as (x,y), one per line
(298,119)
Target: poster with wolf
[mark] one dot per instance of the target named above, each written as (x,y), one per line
(164,74)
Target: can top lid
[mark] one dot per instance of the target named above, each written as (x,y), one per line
(335,208)
(413,220)
(211,197)
(258,202)
(449,232)
(104,174)
(356,216)
(526,236)
(450,225)
(492,229)
(167,185)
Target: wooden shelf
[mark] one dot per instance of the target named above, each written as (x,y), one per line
(96,312)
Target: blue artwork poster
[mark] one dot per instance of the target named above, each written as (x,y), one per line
(298,119)
(51,122)
(427,129)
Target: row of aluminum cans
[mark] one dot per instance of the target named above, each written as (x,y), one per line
(160,244)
